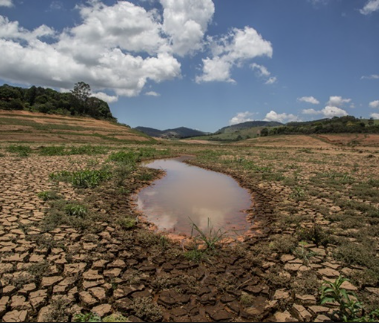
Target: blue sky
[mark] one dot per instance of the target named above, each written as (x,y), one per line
(201,64)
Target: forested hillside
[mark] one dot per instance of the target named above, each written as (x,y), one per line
(347,124)
(45,100)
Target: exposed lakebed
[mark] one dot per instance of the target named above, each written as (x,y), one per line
(188,194)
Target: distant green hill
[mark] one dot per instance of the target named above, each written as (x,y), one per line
(241,131)
(179,133)
(45,100)
(247,125)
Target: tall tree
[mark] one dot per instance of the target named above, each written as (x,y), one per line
(81,91)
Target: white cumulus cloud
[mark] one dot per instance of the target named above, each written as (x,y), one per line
(230,50)
(337,101)
(216,69)
(186,22)
(118,47)
(6,3)
(374,115)
(374,104)
(280,117)
(328,112)
(241,117)
(370,6)
(332,111)
(105,97)
(308,99)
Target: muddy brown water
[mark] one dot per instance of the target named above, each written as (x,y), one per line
(188,194)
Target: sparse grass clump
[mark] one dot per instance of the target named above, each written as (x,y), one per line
(283,244)
(87,317)
(124,157)
(122,172)
(48,195)
(22,151)
(194,255)
(146,309)
(71,213)
(127,223)
(52,151)
(83,178)
(74,150)
(209,237)
(59,311)
(315,234)
(74,209)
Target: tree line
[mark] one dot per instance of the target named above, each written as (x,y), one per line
(77,102)
(347,124)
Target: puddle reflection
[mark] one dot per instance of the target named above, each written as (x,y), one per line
(189,192)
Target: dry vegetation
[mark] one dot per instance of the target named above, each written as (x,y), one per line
(72,247)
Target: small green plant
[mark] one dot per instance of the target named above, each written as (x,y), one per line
(194,255)
(48,195)
(127,223)
(210,237)
(87,317)
(76,210)
(297,192)
(315,234)
(304,254)
(349,309)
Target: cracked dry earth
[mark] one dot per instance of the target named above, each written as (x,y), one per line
(56,274)
(110,271)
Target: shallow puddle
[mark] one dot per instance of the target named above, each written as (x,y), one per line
(190,194)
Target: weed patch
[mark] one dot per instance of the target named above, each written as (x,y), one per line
(48,195)
(83,178)
(22,151)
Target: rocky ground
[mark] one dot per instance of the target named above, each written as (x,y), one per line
(51,271)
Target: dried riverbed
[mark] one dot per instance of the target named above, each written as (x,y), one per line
(107,267)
